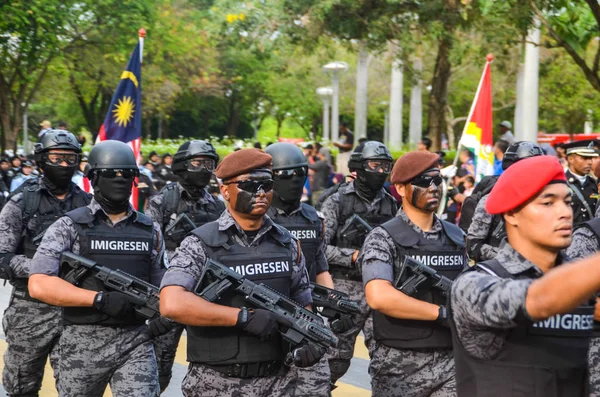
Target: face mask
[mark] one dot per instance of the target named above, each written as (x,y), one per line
(369,184)
(58,179)
(113,193)
(290,190)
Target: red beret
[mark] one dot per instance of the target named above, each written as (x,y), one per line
(412,165)
(242,162)
(522,181)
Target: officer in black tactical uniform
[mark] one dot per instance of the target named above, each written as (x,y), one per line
(235,350)
(33,328)
(413,354)
(194,164)
(305,223)
(365,197)
(585,190)
(486,231)
(104,341)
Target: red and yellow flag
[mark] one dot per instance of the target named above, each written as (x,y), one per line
(477,135)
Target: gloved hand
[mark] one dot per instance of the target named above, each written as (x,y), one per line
(308,355)
(114,303)
(259,322)
(159,326)
(442,317)
(342,324)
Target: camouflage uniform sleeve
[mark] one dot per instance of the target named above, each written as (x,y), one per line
(320,258)
(59,238)
(480,300)
(154,209)
(11,229)
(583,245)
(478,232)
(377,256)
(299,290)
(335,256)
(158,256)
(186,266)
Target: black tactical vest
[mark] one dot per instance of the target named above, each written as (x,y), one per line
(199,213)
(127,247)
(497,232)
(546,358)
(350,204)
(307,227)
(269,263)
(447,256)
(40,209)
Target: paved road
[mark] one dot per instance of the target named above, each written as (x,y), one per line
(354,384)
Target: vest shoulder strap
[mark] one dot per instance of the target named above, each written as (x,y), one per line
(310,213)
(280,234)
(81,216)
(594,226)
(143,219)
(171,199)
(454,233)
(210,235)
(401,232)
(80,197)
(494,268)
(30,201)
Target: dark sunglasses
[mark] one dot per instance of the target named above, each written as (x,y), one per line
(289,173)
(57,158)
(125,173)
(252,186)
(426,181)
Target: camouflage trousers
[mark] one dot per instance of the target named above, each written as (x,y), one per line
(339,358)
(32,332)
(594,367)
(201,381)
(313,381)
(93,356)
(412,372)
(165,347)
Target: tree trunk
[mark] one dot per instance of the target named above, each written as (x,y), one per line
(438,98)
(279,124)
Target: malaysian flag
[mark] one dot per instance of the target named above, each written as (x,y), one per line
(123,121)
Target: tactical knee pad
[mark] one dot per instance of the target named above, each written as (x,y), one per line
(338,368)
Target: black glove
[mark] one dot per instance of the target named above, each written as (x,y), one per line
(114,303)
(442,318)
(308,355)
(159,326)
(6,272)
(259,322)
(342,324)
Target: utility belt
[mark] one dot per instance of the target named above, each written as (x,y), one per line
(345,273)
(22,292)
(250,370)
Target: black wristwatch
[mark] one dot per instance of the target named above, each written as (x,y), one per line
(243,317)
(442,315)
(99,300)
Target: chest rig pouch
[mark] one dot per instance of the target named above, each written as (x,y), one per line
(126,246)
(447,256)
(270,263)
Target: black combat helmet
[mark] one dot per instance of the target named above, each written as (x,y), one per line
(519,151)
(286,156)
(370,150)
(55,139)
(190,150)
(108,155)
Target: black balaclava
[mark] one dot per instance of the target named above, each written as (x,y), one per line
(194,182)
(58,178)
(368,184)
(288,192)
(113,193)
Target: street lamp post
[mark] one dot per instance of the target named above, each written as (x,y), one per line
(335,71)
(325,94)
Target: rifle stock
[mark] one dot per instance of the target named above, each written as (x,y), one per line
(419,274)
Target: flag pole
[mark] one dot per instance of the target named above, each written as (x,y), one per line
(489,58)
(142,35)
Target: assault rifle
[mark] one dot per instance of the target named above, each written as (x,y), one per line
(144,296)
(419,274)
(355,229)
(333,305)
(179,228)
(297,324)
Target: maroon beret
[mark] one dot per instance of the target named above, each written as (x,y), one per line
(242,162)
(522,181)
(413,164)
